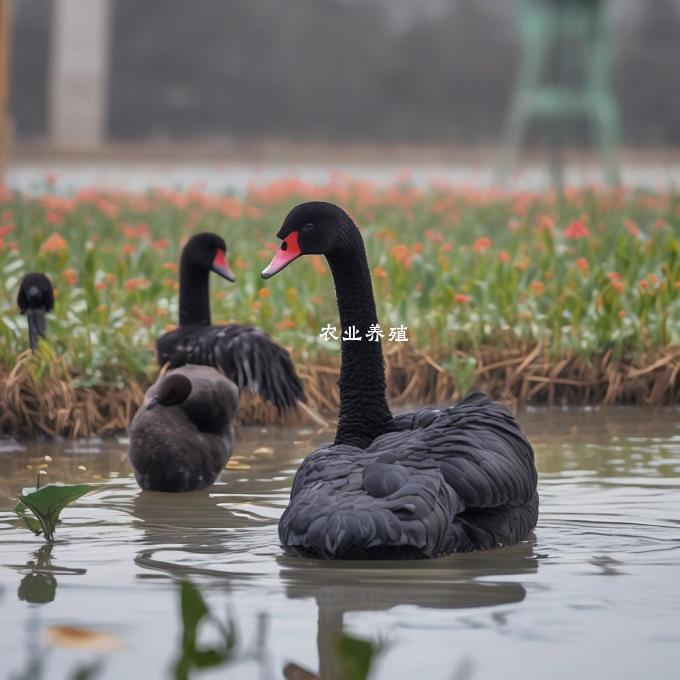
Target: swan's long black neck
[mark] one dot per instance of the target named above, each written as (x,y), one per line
(364,413)
(194,294)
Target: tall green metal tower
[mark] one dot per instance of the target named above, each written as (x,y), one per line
(553,34)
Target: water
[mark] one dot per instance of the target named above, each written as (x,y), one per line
(31,177)
(593,595)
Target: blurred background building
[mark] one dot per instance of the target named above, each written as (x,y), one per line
(219,73)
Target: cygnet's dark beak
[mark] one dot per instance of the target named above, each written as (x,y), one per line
(154,401)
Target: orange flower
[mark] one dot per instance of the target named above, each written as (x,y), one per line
(462,299)
(522,264)
(402,255)
(622,314)
(137,283)
(618,286)
(170,283)
(55,243)
(264,293)
(285,324)
(613,276)
(631,228)
(5,229)
(129,249)
(433,235)
(504,256)
(380,273)
(161,244)
(446,247)
(417,247)
(71,276)
(170,266)
(100,286)
(546,223)
(537,287)
(481,244)
(576,230)
(583,265)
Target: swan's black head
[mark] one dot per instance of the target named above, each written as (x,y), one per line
(174,389)
(35,292)
(35,299)
(208,251)
(313,228)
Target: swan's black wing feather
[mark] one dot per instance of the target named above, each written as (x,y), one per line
(448,480)
(246,355)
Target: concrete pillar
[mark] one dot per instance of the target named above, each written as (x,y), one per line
(4,85)
(79,63)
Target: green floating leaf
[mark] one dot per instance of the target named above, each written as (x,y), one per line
(46,505)
(31,523)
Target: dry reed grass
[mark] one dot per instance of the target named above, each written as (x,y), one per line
(38,396)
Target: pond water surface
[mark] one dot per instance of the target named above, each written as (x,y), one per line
(594,594)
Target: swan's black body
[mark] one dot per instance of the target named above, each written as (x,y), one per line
(246,355)
(418,485)
(181,440)
(35,299)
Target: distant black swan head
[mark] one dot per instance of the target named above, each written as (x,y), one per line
(35,299)
(314,228)
(209,252)
(174,389)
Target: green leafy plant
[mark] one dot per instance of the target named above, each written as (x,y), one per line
(45,505)
(195,611)
(356,656)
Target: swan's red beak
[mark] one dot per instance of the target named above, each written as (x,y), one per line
(221,266)
(289,251)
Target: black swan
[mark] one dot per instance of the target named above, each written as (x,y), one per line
(183,435)
(416,485)
(246,355)
(35,299)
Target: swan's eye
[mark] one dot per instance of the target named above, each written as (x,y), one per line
(308,227)
(284,246)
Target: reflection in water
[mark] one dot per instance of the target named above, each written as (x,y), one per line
(453,582)
(197,523)
(39,584)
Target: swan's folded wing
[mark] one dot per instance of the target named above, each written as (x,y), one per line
(482,453)
(246,355)
(414,420)
(343,504)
